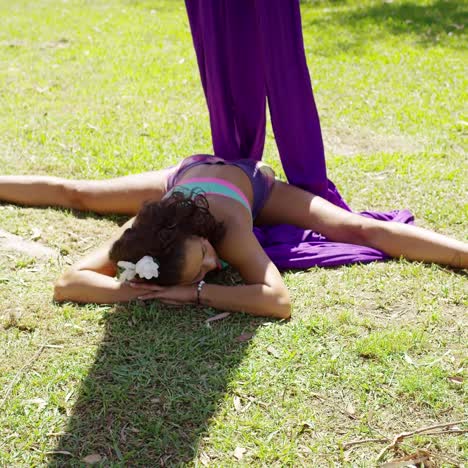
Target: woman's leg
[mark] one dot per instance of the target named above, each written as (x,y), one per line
(292,205)
(122,195)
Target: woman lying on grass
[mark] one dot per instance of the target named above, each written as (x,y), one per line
(200,215)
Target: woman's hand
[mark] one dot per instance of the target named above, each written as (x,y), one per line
(175,295)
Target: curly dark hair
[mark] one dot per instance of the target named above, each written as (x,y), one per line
(161,229)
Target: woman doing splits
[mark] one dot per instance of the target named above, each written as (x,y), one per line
(198,216)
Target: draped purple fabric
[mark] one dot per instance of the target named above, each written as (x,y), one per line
(248,52)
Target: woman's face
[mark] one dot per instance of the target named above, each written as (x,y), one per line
(200,258)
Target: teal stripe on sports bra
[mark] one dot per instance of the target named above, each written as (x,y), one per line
(209,186)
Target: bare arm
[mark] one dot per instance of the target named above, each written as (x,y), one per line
(92,279)
(254,299)
(265,294)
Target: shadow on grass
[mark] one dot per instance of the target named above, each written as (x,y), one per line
(440,22)
(158,377)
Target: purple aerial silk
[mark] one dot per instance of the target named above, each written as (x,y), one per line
(249,51)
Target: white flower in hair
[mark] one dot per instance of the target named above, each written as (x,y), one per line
(147,268)
(128,271)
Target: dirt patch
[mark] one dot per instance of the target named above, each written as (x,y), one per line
(351,141)
(10,242)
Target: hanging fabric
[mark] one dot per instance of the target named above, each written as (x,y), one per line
(251,52)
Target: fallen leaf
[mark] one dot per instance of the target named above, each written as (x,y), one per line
(123,435)
(409,360)
(239,453)
(92,127)
(456,379)
(304,449)
(221,316)
(237,403)
(204,459)
(40,402)
(420,458)
(13,43)
(244,337)
(273,352)
(272,435)
(350,409)
(92,459)
(306,426)
(59,452)
(267,324)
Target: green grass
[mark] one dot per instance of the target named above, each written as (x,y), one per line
(105,88)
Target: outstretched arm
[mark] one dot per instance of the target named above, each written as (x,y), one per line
(264,293)
(92,279)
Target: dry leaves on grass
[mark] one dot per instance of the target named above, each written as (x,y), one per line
(92,459)
(271,350)
(36,233)
(59,452)
(237,404)
(205,460)
(306,426)
(217,317)
(409,360)
(350,410)
(40,402)
(419,458)
(239,453)
(455,379)
(435,429)
(244,337)
(59,44)
(242,408)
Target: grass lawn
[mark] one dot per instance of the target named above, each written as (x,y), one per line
(96,89)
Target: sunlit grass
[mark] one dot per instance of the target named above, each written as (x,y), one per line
(106,88)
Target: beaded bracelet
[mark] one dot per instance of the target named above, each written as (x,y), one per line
(199,288)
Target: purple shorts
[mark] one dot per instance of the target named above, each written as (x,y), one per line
(262,182)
